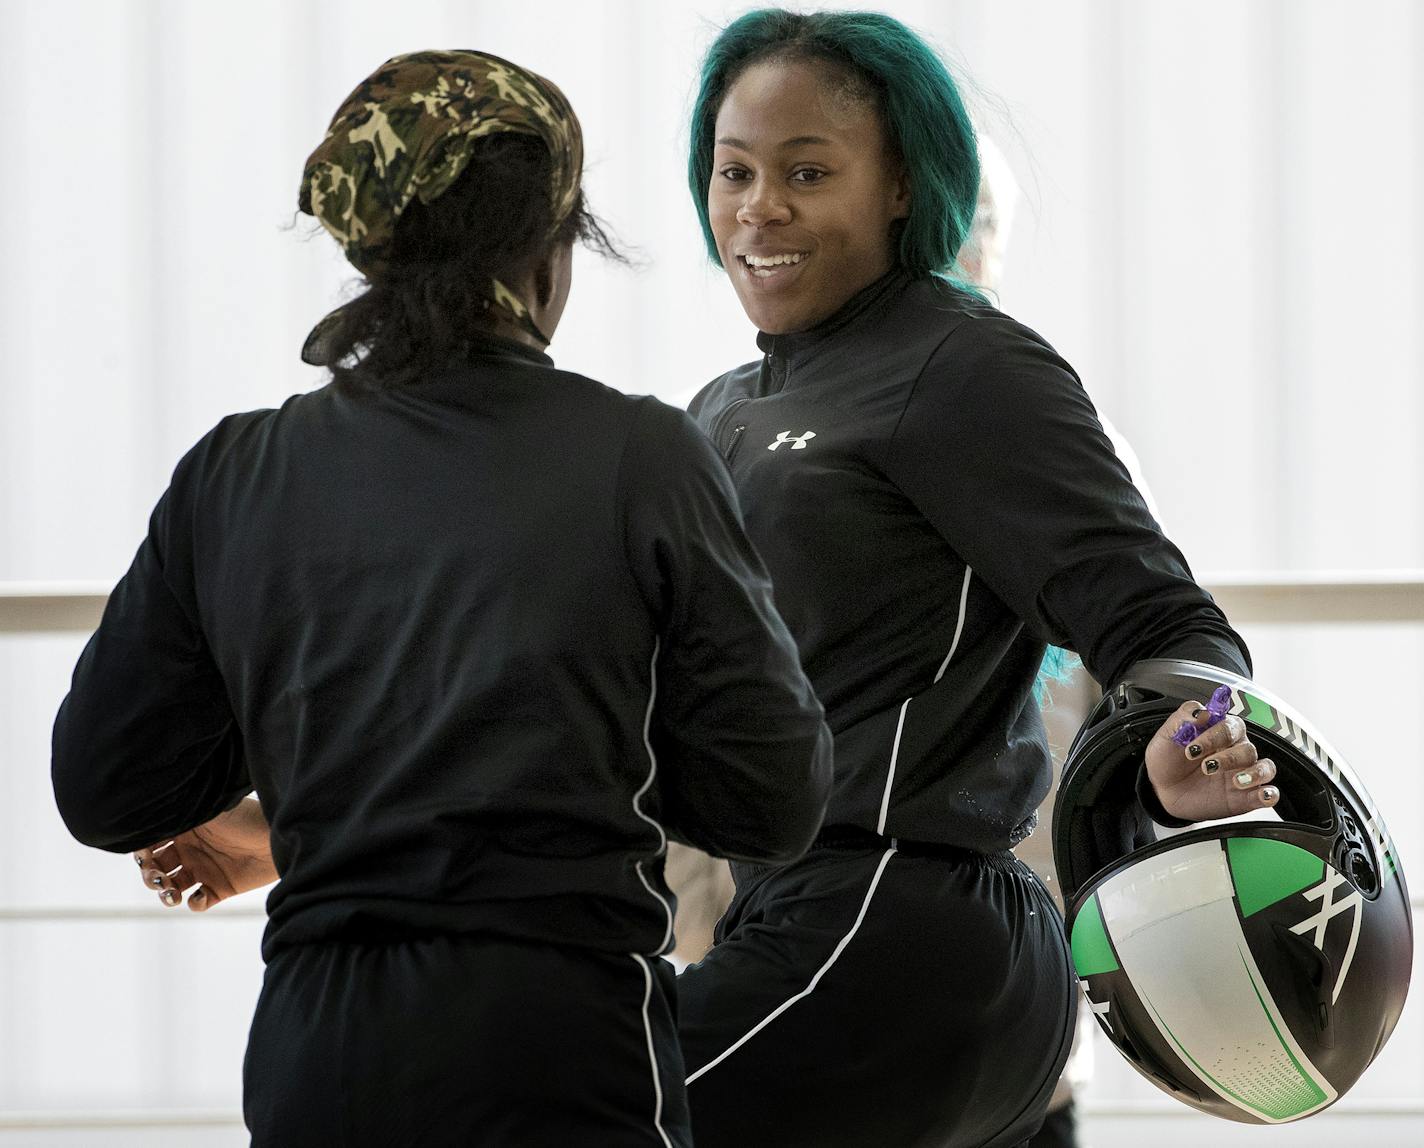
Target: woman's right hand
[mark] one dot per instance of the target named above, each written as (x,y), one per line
(228,855)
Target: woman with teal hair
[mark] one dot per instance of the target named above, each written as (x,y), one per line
(936,501)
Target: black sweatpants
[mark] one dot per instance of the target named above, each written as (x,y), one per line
(467,1041)
(879,997)
(1060,1129)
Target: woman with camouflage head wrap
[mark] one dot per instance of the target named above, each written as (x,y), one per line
(480,634)
(400,143)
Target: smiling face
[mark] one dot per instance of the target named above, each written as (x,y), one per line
(803,193)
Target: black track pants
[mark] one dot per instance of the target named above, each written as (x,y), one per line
(464,1041)
(879,998)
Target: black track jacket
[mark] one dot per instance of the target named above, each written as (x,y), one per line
(477,643)
(935,499)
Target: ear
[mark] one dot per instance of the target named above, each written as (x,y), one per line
(544,281)
(900,197)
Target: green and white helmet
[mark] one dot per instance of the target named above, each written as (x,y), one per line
(1251,969)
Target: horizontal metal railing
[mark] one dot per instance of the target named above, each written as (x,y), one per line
(34,1120)
(51,607)
(1329,596)
(17,1120)
(251,907)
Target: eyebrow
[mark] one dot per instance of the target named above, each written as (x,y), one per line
(796,141)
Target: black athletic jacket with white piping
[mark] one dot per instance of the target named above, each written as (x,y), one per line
(935,499)
(477,643)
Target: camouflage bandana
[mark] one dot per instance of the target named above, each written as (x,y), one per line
(408,130)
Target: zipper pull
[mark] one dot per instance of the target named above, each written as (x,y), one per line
(733,442)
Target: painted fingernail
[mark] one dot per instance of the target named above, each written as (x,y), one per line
(156,880)
(1196,713)
(1245,778)
(1269,793)
(1210,766)
(1194,750)
(169,897)
(138,860)
(198,899)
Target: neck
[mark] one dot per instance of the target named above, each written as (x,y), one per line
(516,331)
(510,313)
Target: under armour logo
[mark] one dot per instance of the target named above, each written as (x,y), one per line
(1329,909)
(798,442)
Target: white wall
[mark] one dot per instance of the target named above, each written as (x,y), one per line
(1223,235)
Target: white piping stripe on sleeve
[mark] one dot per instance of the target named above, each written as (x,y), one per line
(815,980)
(652,1055)
(647,785)
(959,626)
(894,757)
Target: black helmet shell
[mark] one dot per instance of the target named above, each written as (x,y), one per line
(1252,969)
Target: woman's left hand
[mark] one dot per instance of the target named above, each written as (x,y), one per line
(228,855)
(1216,775)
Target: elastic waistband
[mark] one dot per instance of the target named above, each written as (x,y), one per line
(854,837)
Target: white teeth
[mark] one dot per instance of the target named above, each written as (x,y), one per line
(771,260)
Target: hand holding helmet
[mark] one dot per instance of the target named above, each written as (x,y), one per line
(1218,773)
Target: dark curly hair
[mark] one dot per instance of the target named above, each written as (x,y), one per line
(421,309)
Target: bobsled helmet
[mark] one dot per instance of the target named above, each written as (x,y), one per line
(1252,969)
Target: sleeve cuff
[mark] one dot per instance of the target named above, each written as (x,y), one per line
(1147,798)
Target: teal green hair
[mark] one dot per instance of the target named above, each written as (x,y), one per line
(1058,666)
(920,108)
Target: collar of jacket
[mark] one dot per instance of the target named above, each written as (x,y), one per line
(794,348)
(488,345)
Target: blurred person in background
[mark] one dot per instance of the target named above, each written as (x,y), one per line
(937,503)
(480,634)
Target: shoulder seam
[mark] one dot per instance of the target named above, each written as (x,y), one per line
(640,405)
(920,374)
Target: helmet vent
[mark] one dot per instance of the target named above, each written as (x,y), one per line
(1352,853)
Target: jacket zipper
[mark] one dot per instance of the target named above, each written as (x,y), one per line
(735,441)
(722,420)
